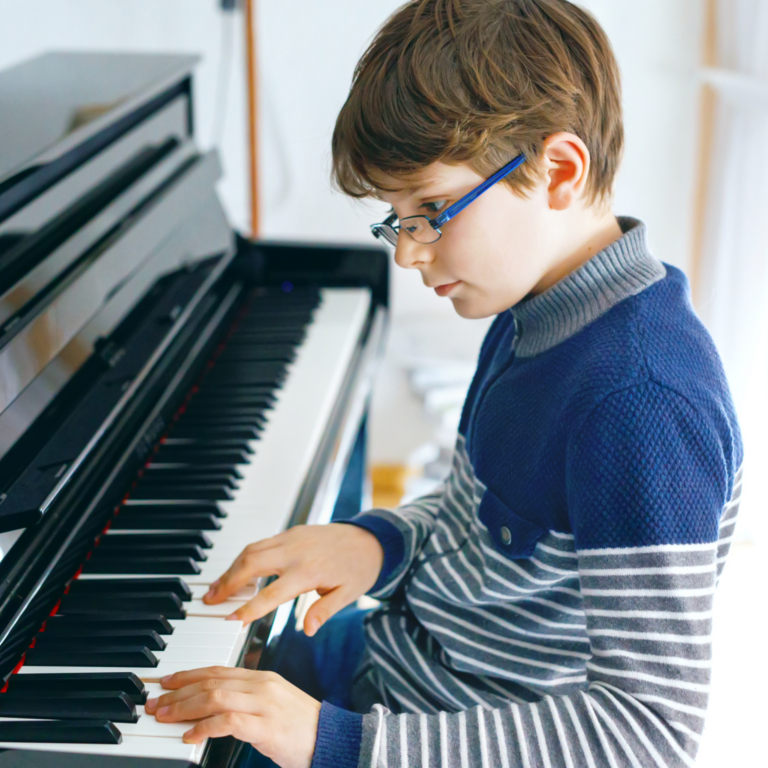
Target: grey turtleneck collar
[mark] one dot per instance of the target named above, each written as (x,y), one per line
(623,269)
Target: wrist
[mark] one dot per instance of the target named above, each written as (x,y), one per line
(389,538)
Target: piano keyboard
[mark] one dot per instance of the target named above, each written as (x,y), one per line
(229,473)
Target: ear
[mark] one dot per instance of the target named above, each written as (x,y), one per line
(566,163)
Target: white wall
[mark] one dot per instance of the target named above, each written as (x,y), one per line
(307,52)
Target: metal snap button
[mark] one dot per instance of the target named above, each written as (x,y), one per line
(506,535)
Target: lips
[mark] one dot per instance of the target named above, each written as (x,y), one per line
(444,290)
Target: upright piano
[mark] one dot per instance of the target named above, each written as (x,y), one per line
(169,392)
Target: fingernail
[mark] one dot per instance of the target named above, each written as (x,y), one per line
(166,679)
(215,584)
(314,625)
(151,704)
(232,617)
(209,593)
(162,711)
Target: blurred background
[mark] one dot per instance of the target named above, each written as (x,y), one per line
(695,79)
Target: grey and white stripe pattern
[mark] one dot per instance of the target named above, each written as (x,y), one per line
(567,658)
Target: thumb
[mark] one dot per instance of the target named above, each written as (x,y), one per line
(322,610)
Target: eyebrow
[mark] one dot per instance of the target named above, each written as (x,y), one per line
(413,189)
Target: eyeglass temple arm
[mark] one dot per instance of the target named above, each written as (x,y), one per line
(460,205)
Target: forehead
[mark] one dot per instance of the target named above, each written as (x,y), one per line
(435,177)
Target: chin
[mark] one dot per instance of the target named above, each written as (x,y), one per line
(471,310)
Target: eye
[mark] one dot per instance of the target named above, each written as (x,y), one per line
(435,206)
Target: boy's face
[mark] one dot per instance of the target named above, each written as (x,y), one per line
(491,255)
(502,246)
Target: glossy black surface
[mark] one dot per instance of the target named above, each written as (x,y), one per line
(110,705)
(61,732)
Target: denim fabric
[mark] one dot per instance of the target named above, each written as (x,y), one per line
(323,666)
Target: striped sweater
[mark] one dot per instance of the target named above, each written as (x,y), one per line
(550,604)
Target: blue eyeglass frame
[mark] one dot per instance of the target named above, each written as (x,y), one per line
(458,206)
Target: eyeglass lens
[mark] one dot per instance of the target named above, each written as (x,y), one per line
(418,227)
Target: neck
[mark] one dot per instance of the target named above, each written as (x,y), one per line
(595,234)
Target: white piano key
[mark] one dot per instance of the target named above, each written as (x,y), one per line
(242,596)
(222,610)
(201,639)
(148,725)
(200,624)
(133,746)
(147,674)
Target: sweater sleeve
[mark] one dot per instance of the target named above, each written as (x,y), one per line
(401,533)
(650,487)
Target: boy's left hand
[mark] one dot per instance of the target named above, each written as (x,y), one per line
(258,707)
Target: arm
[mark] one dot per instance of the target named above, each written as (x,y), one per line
(648,478)
(401,533)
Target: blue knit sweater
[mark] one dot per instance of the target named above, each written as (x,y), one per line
(551,603)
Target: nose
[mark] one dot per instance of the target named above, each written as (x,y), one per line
(411,255)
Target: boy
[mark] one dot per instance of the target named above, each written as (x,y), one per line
(550,604)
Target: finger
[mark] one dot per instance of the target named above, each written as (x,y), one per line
(243,727)
(249,564)
(322,610)
(270,597)
(208,704)
(191,676)
(203,686)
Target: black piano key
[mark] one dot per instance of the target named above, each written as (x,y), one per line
(112,705)
(167,603)
(146,564)
(252,334)
(184,468)
(218,443)
(236,379)
(268,323)
(226,413)
(226,428)
(211,391)
(201,521)
(200,457)
(248,397)
(61,732)
(161,584)
(172,506)
(137,656)
(221,419)
(282,353)
(245,397)
(82,682)
(108,620)
(172,492)
(164,548)
(223,478)
(155,540)
(90,638)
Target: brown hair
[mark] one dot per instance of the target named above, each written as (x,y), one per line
(479,81)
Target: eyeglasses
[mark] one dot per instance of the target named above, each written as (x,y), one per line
(425,230)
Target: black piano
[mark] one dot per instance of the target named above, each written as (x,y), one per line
(169,391)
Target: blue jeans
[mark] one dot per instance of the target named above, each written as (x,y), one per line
(323,666)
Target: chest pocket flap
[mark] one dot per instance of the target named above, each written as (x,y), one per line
(514,536)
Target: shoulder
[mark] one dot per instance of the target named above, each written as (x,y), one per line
(649,467)
(653,338)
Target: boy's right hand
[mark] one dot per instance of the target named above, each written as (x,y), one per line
(340,562)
